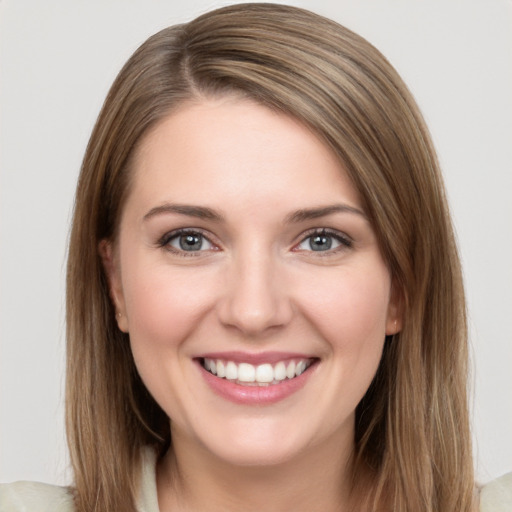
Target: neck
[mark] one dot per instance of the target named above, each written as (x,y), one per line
(189,478)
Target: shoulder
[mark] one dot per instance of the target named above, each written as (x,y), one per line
(35,497)
(39,497)
(496,496)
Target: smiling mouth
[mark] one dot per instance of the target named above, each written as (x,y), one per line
(246,374)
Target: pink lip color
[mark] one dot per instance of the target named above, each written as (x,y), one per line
(255,395)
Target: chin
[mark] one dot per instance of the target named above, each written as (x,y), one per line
(256,442)
(256,455)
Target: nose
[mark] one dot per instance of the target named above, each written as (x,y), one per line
(256,298)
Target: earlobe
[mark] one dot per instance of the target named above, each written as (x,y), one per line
(112,272)
(395,311)
(393,327)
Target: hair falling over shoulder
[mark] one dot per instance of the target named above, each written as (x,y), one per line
(412,427)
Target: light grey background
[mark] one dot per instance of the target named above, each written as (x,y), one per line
(57,60)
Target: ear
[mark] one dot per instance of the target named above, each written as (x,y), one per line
(112,271)
(395,310)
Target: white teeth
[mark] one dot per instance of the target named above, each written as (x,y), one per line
(290,370)
(263,374)
(231,371)
(280,371)
(221,369)
(301,366)
(246,372)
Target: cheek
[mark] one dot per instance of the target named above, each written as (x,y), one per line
(350,308)
(163,308)
(350,312)
(164,305)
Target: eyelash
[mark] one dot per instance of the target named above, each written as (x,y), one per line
(164,241)
(344,241)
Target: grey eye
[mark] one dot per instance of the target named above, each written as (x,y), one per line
(319,242)
(190,242)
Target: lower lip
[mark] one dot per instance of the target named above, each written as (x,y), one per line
(256,395)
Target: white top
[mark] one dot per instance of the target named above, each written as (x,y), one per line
(496,496)
(38,497)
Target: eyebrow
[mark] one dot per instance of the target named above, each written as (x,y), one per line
(203,212)
(322,211)
(200,212)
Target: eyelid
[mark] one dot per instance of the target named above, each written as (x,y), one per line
(163,241)
(345,241)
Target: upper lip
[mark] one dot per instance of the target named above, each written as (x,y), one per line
(255,358)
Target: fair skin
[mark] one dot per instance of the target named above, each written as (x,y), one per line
(276,265)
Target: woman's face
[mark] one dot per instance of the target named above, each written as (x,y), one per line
(250,282)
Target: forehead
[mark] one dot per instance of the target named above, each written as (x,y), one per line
(235,149)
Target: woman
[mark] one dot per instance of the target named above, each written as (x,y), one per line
(265,304)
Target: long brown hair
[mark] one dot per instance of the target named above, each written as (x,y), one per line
(412,431)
